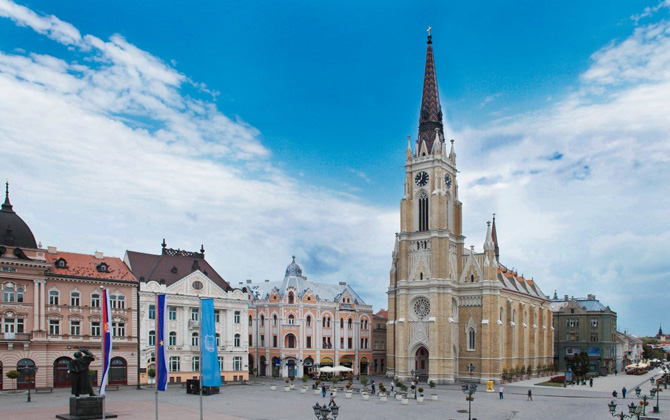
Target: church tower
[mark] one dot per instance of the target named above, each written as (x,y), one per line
(426,260)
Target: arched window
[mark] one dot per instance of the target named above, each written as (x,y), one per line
(53,297)
(251,320)
(274,319)
(290,341)
(195,339)
(291,320)
(423,212)
(341,322)
(308,321)
(472,278)
(290,297)
(350,323)
(262,320)
(172,339)
(152,338)
(471,339)
(237,340)
(74,298)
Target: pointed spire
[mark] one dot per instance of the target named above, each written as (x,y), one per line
(408,152)
(7,206)
(452,153)
(431,111)
(495,238)
(488,244)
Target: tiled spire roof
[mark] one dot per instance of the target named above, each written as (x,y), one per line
(495,238)
(431,111)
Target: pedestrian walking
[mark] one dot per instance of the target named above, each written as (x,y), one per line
(392,388)
(623,392)
(530,395)
(373,387)
(500,391)
(332,400)
(323,391)
(591,382)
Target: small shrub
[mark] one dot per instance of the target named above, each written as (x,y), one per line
(420,390)
(431,384)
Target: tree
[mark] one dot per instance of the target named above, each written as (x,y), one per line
(13,375)
(581,364)
(648,352)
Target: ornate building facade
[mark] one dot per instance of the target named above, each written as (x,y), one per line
(50,307)
(297,325)
(185,277)
(453,312)
(379,321)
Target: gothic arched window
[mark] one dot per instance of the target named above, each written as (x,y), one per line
(423,212)
(471,339)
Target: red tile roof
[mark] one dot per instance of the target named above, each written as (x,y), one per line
(382,313)
(85,265)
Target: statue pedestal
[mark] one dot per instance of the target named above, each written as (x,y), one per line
(85,408)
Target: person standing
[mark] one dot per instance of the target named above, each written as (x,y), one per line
(623,392)
(500,391)
(373,387)
(530,395)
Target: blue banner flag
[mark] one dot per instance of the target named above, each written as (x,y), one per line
(161,360)
(211,374)
(106,340)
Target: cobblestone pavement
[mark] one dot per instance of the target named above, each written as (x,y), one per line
(257,402)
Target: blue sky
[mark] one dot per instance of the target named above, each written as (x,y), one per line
(269,129)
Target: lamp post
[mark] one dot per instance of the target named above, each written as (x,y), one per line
(321,411)
(633,411)
(657,391)
(32,373)
(469,390)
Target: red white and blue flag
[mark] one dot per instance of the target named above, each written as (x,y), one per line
(106,339)
(161,360)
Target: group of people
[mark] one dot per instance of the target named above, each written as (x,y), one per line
(501,393)
(623,393)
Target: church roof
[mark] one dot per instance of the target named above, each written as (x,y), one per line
(511,280)
(70,264)
(171,266)
(13,230)
(294,279)
(430,117)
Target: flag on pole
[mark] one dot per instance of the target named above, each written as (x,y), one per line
(161,360)
(106,340)
(211,374)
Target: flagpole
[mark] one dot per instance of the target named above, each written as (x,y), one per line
(200,365)
(156,401)
(159,312)
(102,346)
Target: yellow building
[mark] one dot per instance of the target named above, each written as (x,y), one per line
(454,313)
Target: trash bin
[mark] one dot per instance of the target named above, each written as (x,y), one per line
(192,386)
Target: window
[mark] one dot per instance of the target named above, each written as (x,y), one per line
(291,298)
(174,364)
(308,321)
(236,317)
(274,341)
(95,300)
(251,321)
(350,323)
(262,320)
(118,329)
(54,327)
(8,325)
(274,319)
(19,325)
(121,302)
(290,341)
(53,297)
(221,363)
(308,342)
(195,339)
(195,364)
(291,320)
(74,299)
(573,323)
(19,294)
(594,337)
(251,340)
(237,340)
(218,340)
(152,338)
(152,311)
(195,315)
(262,344)
(423,212)
(594,322)
(75,327)
(9,293)
(237,363)
(350,343)
(172,339)
(95,328)
(341,342)
(341,322)
(172,313)
(217,316)
(471,339)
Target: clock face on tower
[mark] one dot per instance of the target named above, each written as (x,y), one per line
(421,179)
(447,181)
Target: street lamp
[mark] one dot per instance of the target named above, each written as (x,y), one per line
(31,378)
(321,411)
(469,390)
(633,411)
(638,391)
(656,391)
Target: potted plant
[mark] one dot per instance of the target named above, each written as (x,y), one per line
(13,375)
(273,387)
(151,373)
(399,387)
(287,387)
(419,398)
(382,392)
(291,384)
(348,392)
(317,387)
(334,380)
(433,395)
(529,371)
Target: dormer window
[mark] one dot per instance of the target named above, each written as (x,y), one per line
(102,267)
(61,263)
(174,270)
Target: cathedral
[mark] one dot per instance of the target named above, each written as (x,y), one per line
(455,314)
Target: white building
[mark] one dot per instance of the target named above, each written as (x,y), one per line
(185,277)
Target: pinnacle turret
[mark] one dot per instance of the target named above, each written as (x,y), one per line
(430,118)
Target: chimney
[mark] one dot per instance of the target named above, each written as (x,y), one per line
(248,281)
(99,255)
(52,250)
(591,297)
(267,280)
(566,298)
(343,283)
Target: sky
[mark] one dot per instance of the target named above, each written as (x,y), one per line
(269,129)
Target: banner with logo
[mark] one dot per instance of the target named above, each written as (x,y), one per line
(209,358)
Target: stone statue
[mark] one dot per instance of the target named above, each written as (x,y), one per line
(81,380)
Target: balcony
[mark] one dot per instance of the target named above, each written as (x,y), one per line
(10,336)
(193,323)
